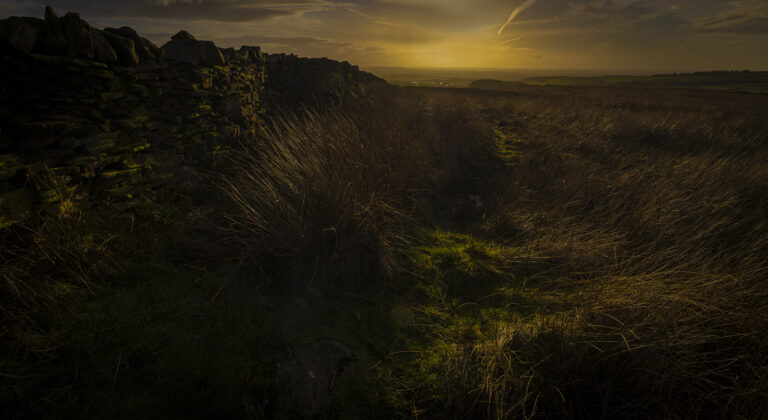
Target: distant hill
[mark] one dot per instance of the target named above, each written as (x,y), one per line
(739,81)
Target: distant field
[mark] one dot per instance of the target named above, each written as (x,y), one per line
(752,82)
(748,81)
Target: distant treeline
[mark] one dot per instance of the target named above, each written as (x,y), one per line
(708,73)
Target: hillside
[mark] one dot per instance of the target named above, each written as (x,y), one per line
(729,81)
(195,232)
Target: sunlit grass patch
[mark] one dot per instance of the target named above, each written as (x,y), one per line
(460,252)
(470,302)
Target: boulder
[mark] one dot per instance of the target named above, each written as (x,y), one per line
(102,49)
(184,35)
(124,47)
(211,53)
(67,36)
(252,54)
(183,48)
(229,53)
(145,49)
(77,34)
(19,33)
(51,40)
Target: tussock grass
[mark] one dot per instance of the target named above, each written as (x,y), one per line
(344,187)
(650,217)
(51,255)
(302,184)
(547,253)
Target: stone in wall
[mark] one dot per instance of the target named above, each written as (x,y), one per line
(145,50)
(111,122)
(124,48)
(315,81)
(20,33)
(113,117)
(184,48)
(70,36)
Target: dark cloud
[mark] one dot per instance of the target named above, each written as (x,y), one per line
(622,11)
(310,46)
(747,26)
(452,32)
(192,10)
(605,8)
(739,17)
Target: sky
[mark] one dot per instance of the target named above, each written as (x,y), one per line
(641,35)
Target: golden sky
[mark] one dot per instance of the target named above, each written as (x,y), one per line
(676,35)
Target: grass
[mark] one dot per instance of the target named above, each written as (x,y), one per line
(536,253)
(648,235)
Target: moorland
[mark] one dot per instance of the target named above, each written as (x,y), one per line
(349,249)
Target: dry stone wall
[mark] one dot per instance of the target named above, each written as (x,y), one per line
(96,123)
(105,117)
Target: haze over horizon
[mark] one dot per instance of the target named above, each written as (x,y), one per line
(679,35)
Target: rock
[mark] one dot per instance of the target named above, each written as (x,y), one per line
(78,37)
(156,51)
(19,33)
(212,53)
(229,53)
(252,54)
(230,107)
(124,47)
(67,36)
(184,35)
(51,40)
(103,51)
(50,13)
(189,51)
(145,50)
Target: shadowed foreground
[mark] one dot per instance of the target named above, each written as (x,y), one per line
(538,252)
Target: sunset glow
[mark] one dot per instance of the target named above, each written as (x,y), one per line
(570,34)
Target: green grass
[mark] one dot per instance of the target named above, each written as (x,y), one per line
(471,294)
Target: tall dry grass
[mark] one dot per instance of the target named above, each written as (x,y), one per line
(651,213)
(320,188)
(343,186)
(58,253)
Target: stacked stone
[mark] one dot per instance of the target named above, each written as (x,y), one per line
(315,81)
(105,116)
(106,122)
(72,37)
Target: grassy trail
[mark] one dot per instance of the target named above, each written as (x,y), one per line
(462,298)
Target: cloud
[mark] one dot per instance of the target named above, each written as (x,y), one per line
(624,11)
(190,10)
(302,42)
(739,17)
(516,12)
(603,8)
(576,33)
